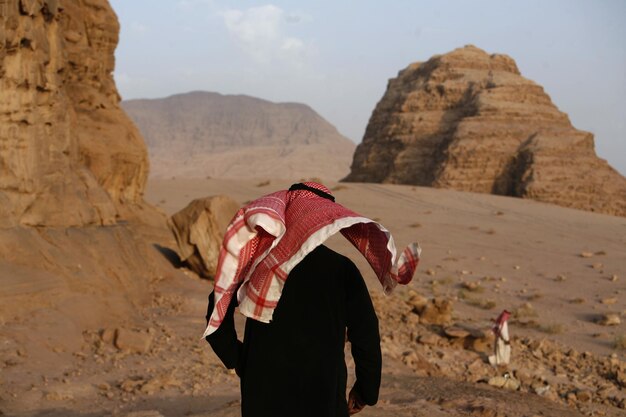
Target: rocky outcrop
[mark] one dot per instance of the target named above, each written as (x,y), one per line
(69,156)
(458,349)
(199,229)
(469,121)
(202,134)
(71,162)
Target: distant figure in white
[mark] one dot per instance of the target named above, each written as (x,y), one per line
(502,354)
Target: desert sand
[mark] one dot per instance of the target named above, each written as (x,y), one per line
(99,317)
(563,262)
(559,270)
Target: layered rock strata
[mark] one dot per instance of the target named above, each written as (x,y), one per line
(71,162)
(69,156)
(469,121)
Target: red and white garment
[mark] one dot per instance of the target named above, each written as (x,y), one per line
(268,237)
(502,348)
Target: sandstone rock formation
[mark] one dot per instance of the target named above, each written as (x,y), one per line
(69,156)
(201,134)
(469,121)
(71,162)
(199,229)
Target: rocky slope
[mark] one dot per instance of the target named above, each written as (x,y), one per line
(76,237)
(201,134)
(469,121)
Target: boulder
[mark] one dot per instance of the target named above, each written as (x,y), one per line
(420,364)
(437,311)
(199,229)
(506,381)
(134,341)
(456,332)
(609,319)
(416,301)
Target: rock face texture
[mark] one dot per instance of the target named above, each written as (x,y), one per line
(201,134)
(69,156)
(71,163)
(469,121)
(199,229)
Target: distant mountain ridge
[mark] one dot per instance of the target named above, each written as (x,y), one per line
(199,134)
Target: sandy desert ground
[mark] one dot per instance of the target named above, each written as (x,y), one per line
(560,271)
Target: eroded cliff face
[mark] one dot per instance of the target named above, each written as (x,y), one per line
(469,121)
(71,162)
(69,156)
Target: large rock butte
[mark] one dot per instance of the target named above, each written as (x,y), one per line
(69,156)
(469,121)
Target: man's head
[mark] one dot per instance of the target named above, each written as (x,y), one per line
(315,188)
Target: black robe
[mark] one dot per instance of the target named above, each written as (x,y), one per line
(295,365)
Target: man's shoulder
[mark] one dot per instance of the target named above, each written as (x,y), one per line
(329,255)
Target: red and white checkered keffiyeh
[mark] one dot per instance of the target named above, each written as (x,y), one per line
(268,237)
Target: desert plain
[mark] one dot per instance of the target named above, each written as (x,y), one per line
(560,271)
(99,316)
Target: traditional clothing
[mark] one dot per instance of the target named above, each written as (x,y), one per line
(502,349)
(295,366)
(300,297)
(271,235)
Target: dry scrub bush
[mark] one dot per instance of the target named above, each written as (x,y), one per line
(476,302)
(480,303)
(524,311)
(553,328)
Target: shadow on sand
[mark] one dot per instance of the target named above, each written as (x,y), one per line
(170,254)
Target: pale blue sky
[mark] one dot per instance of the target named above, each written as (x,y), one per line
(337,56)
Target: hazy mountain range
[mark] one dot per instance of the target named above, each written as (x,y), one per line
(201,134)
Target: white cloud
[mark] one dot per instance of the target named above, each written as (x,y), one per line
(292,44)
(261,33)
(293,50)
(138,27)
(193,3)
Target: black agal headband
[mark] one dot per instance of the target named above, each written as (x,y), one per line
(300,186)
